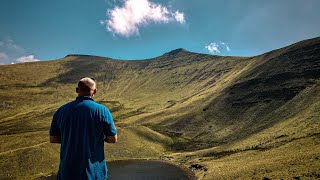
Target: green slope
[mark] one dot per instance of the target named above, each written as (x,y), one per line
(239,117)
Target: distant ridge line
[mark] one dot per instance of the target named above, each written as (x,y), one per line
(184,52)
(83,55)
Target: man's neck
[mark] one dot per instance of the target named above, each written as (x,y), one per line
(86,96)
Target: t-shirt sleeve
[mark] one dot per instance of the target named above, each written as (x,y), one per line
(109,128)
(54,128)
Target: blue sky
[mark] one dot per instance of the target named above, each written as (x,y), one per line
(137,29)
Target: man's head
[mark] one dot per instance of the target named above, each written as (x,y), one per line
(86,87)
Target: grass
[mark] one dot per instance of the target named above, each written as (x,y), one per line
(301,159)
(238,117)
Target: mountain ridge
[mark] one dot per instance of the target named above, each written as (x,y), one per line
(180,51)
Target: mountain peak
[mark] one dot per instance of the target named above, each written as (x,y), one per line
(175,52)
(83,56)
(78,55)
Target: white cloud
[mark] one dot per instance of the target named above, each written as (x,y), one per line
(12,53)
(217,47)
(126,20)
(9,51)
(179,17)
(29,58)
(213,48)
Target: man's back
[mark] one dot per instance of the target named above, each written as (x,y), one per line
(82,126)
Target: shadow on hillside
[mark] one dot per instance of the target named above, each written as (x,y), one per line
(256,102)
(100,68)
(71,71)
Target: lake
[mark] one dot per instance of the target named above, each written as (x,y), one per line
(144,170)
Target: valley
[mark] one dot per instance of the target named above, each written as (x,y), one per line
(222,117)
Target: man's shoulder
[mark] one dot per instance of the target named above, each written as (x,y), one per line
(89,104)
(99,106)
(103,109)
(65,106)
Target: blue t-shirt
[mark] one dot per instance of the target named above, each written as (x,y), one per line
(82,126)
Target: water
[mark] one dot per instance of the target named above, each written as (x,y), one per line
(144,170)
(148,170)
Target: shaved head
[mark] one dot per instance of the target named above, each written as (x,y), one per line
(86,87)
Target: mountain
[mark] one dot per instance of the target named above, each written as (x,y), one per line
(222,117)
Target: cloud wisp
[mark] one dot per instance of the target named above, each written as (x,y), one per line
(9,45)
(11,53)
(217,47)
(134,14)
(29,58)
(3,57)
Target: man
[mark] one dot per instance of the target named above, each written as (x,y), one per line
(81,127)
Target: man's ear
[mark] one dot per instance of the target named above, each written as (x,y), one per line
(77,90)
(94,91)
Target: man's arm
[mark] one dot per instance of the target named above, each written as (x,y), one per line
(111,139)
(55,130)
(109,129)
(55,139)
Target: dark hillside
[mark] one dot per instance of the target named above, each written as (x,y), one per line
(250,104)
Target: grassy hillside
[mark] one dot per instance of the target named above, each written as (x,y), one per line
(223,117)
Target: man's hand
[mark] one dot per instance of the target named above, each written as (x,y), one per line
(111,139)
(55,139)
